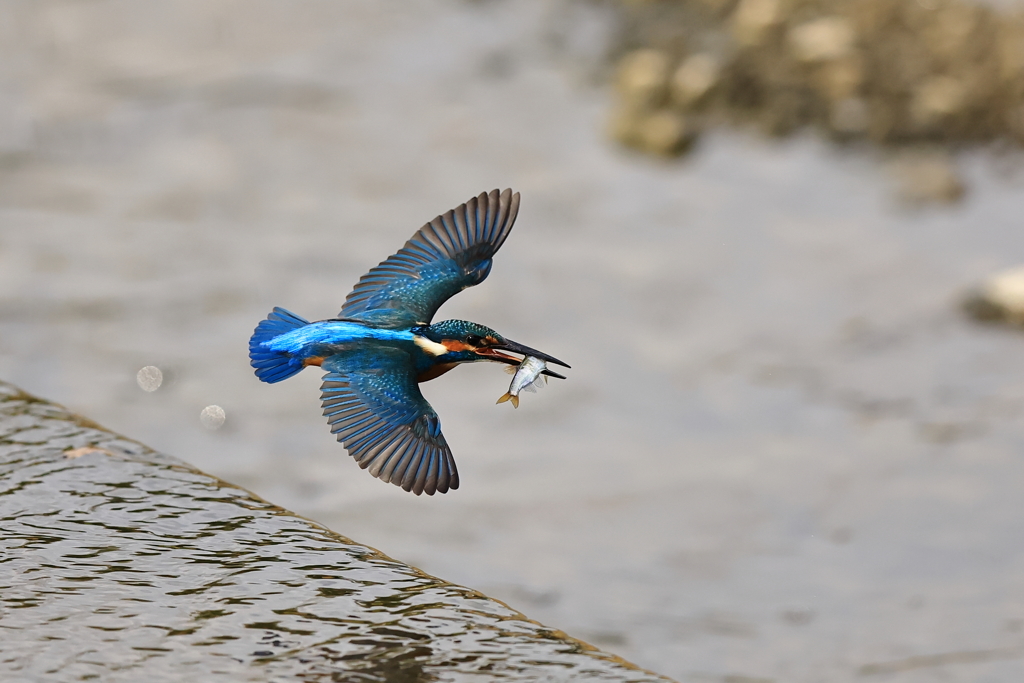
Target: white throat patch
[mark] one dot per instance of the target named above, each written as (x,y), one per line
(431,347)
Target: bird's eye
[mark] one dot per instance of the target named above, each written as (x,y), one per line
(473,340)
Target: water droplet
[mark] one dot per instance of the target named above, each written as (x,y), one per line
(150,378)
(212,417)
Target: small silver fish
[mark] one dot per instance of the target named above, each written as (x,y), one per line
(527,377)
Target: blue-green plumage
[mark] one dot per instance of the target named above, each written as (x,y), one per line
(383,344)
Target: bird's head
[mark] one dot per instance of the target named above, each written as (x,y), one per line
(464,342)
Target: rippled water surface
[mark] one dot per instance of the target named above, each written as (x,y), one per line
(117,563)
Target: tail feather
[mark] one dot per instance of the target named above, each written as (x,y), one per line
(274,366)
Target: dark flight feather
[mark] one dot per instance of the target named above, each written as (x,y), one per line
(448,254)
(373,403)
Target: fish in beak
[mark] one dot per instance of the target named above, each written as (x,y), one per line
(494,352)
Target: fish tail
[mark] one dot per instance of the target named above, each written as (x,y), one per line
(274,366)
(509,397)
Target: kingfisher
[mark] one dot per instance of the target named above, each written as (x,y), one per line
(383,344)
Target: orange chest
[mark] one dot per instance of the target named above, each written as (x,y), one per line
(434,371)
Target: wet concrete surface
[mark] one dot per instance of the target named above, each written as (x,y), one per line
(122,564)
(782,452)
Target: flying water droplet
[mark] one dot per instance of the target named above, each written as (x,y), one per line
(212,417)
(150,378)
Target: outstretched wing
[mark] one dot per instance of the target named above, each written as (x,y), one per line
(374,405)
(447,255)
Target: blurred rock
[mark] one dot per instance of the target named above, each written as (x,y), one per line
(665,132)
(753,19)
(927,177)
(1011,50)
(895,72)
(625,124)
(822,39)
(642,78)
(937,98)
(641,119)
(1001,298)
(1015,122)
(841,78)
(694,79)
(849,116)
(662,132)
(949,35)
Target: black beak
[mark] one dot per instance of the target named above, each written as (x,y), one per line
(516,347)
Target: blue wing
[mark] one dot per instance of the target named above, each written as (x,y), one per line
(372,401)
(448,254)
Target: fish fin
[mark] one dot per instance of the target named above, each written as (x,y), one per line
(511,369)
(274,366)
(509,397)
(529,387)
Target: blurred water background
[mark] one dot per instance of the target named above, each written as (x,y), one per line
(782,452)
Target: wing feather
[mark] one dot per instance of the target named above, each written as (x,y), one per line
(373,404)
(415,471)
(448,254)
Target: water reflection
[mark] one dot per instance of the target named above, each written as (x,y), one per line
(119,562)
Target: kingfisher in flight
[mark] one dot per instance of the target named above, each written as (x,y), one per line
(383,344)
